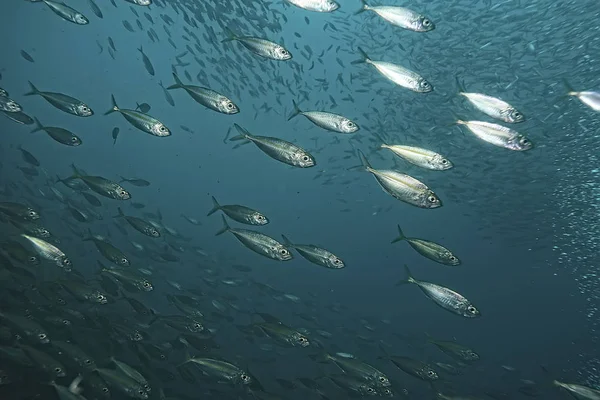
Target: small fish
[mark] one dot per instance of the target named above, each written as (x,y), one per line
(91,199)
(18,252)
(444,297)
(127,26)
(353,385)
(102,186)
(115,135)
(278,149)
(420,157)
(492,106)
(416,368)
(27,56)
(498,135)
(261,47)
(83,292)
(316,255)
(140,2)
(28,157)
(144,107)
(222,370)
(63,102)
(49,252)
(323,6)
(398,74)
(65,12)
(44,361)
(61,135)
(141,121)
(19,211)
(329,121)
(455,350)
(118,380)
(403,187)
(108,251)
(27,326)
(135,181)
(147,62)
(401,17)
(355,367)
(139,224)
(95,9)
(207,97)
(128,276)
(431,250)
(239,213)
(258,242)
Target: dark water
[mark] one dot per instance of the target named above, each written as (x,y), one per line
(524,224)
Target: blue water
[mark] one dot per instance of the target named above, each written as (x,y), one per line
(525,224)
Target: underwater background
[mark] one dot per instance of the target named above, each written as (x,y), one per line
(523,223)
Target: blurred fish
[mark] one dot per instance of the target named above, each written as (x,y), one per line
(135,181)
(115,135)
(102,186)
(26,56)
(19,211)
(95,9)
(588,97)
(139,224)
(8,105)
(144,107)
(19,117)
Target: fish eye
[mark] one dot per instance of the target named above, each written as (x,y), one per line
(524,141)
(426,22)
(370,390)
(452,258)
(283,51)
(432,199)
(32,213)
(45,232)
(245,378)
(147,284)
(431,373)
(141,392)
(336,261)
(382,379)
(32,259)
(105,389)
(162,129)
(260,217)
(284,252)
(124,261)
(305,158)
(67,261)
(61,301)
(73,139)
(42,336)
(230,106)
(66,322)
(88,362)
(58,370)
(444,161)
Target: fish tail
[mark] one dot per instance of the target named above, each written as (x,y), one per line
(460,84)
(120,214)
(297,111)
(123,179)
(38,126)
(363,160)
(141,49)
(570,90)
(216,206)
(33,90)
(178,84)
(230,36)
(364,8)
(244,134)
(115,107)
(225,227)
(364,57)
(76,172)
(409,277)
(287,241)
(400,235)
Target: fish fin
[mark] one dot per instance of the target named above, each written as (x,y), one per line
(363,160)
(230,36)
(244,134)
(570,90)
(33,90)
(287,241)
(38,125)
(269,318)
(297,111)
(225,227)
(76,172)
(409,278)
(121,214)
(141,49)
(401,235)
(178,84)
(216,206)
(123,179)
(364,8)
(460,84)
(365,58)
(115,107)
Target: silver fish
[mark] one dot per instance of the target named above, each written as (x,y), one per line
(444,297)
(100,185)
(239,213)
(221,369)
(316,5)
(260,47)
(63,102)
(65,12)
(421,157)
(142,121)
(431,250)
(588,97)
(140,2)
(61,135)
(278,149)
(498,135)
(397,74)
(49,252)
(9,105)
(580,391)
(403,187)
(494,107)
(258,242)
(401,17)
(207,97)
(316,255)
(329,121)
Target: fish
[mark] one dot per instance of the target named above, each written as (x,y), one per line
(168,96)
(239,213)
(27,326)
(63,102)
(259,243)
(102,186)
(221,369)
(455,350)
(416,368)
(353,385)
(19,211)
(397,74)
(144,107)
(44,361)
(27,56)
(147,62)
(588,97)
(324,6)
(580,391)
(141,121)
(498,135)
(139,224)
(420,157)
(49,252)
(278,149)
(60,135)
(444,297)
(433,251)
(207,97)
(328,121)
(28,157)
(261,47)
(19,117)
(83,292)
(18,252)
(355,367)
(129,277)
(275,329)
(400,17)
(403,187)
(65,12)
(140,2)
(117,379)
(96,10)
(108,251)
(8,105)
(316,255)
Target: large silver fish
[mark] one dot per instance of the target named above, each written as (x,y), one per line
(49,252)
(63,102)
(143,122)
(444,297)
(258,242)
(421,157)
(65,12)
(239,213)
(102,186)
(260,47)
(329,121)
(278,149)
(587,97)
(401,17)
(498,135)
(433,251)
(207,97)
(316,255)
(492,106)
(579,391)
(403,187)
(316,5)
(399,75)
